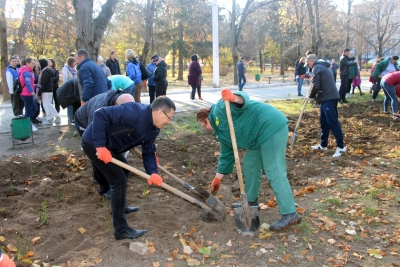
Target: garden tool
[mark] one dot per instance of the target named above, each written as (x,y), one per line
(213,210)
(246,217)
(295,135)
(197,190)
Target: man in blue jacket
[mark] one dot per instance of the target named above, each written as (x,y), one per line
(92,79)
(115,130)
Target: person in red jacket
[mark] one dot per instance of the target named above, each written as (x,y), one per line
(389,83)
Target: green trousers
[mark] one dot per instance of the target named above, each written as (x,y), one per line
(271,157)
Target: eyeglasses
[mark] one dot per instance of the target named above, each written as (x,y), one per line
(170,118)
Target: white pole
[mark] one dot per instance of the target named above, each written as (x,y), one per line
(215,44)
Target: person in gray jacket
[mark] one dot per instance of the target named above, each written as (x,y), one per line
(323,91)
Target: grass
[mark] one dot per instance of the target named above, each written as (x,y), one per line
(334,201)
(44,213)
(185,123)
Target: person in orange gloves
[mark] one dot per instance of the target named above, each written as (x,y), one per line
(115,130)
(5,261)
(262,130)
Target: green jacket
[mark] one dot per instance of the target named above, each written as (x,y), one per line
(255,122)
(381,66)
(353,71)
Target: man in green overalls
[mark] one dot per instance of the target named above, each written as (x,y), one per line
(262,130)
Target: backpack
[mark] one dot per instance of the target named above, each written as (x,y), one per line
(17,87)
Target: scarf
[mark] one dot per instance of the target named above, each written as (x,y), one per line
(72,70)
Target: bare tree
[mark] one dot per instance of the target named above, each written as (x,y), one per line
(23,29)
(4,47)
(90,31)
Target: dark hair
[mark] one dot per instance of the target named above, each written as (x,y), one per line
(53,66)
(309,52)
(194,57)
(27,60)
(395,57)
(202,114)
(346,50)
(82,52)
(13,57)
(113,52)
(163,103)
(70,60)
(154,57)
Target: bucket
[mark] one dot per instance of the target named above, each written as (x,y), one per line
(258,77)
(21,128)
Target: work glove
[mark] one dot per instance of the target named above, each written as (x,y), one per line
(155,179)
(308,99)
(228,95)
(303,76)
(215,185)
(104,154)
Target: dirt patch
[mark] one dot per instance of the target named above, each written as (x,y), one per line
(44,196)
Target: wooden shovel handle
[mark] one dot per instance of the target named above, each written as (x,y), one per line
(163,185)
(234,146)
(301,115)
(139,153)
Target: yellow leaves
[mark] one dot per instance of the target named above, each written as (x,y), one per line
(81,230)
(376,253)
(75,164)
(358,151)
(2,238)
(11,248)
(151,248)
(145,193)
(269,204)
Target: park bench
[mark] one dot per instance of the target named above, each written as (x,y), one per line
(276,76)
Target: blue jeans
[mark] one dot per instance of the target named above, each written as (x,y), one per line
(329,122)
(242,81)
(299,85)
(117,178)
(30,106)
(390,95)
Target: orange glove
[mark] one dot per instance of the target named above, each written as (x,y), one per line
(155,179)
(228,95)
(82,103)
(6,261)
(215,185)
(104,154)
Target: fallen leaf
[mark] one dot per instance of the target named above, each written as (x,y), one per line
(175,253)
(81,230)
(272,260)
(193,262)
(331,241)
(205,250)
(311,258)
(264,235)
(30,253)
(98,261)
(229,243)
(377,253)
(2,238)
(156,264)
(11,248)
(225,256)
(35,240)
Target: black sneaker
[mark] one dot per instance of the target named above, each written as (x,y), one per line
(299,94)
(285,221)
(36,121)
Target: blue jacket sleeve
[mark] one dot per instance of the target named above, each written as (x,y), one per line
(131,71)
(87,83)
(28,81)
(149,157)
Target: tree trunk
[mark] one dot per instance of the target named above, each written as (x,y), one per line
(149,19)
(23,28)
(317,27)
(173,59)
(180,48)
(3,49)
(234,40)
(312,25)
(90,31)
(347,43)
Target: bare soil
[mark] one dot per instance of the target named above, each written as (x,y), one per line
(47,191)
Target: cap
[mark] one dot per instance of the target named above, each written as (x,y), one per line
(311,57)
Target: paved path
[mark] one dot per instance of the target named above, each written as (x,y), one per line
(181,99)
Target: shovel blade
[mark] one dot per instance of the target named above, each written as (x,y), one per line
(217,212)
(241,224)
(246,217)
(294,140)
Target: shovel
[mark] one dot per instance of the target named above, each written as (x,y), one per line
(197,190)
(295,135)
(246,217)
(212,211)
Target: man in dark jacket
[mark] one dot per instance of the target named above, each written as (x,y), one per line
(344,65)
(92,79)
(68,94)
(241,68)
(115,130)
(323,90)
(113,64)
(160,77)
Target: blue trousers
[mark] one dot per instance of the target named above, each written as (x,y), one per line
(242,81)
(30,106)
(390,95)
(329,121)
(299,85)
